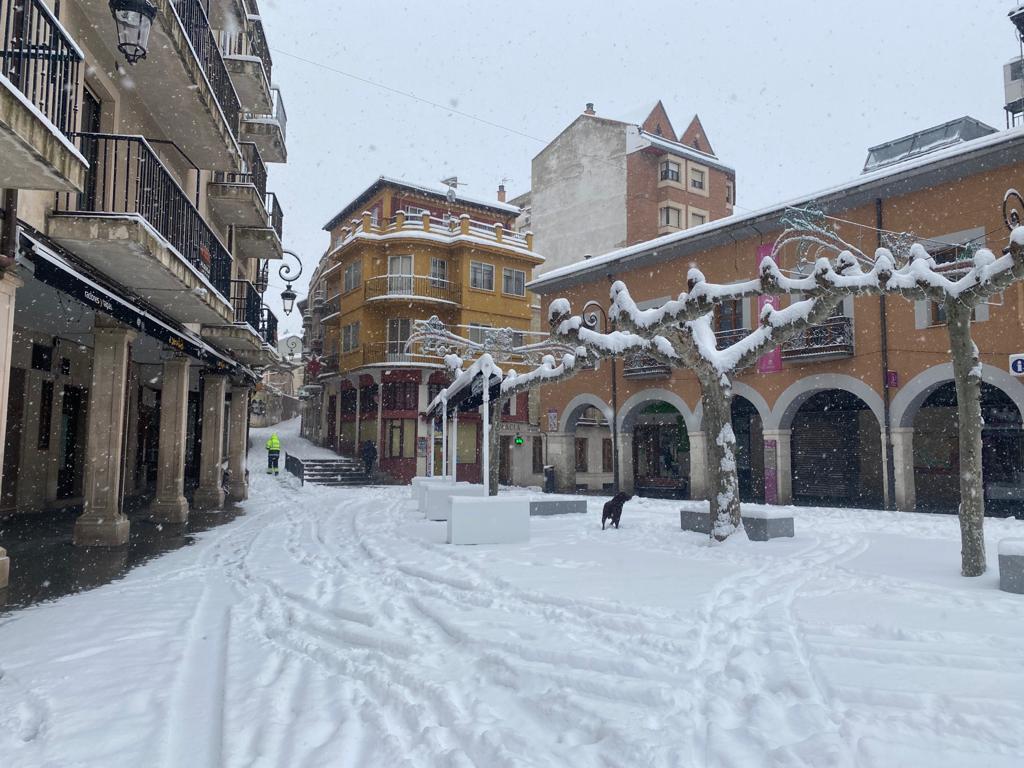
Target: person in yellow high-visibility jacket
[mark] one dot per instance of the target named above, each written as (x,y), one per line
(273,454)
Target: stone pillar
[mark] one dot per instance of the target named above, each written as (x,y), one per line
(779,442)
(5,569)
(903,460)
(170,505)
(698,465)
(210,493)
(627,479)
(9,284)
(238,443)
(102,523)
(562,456)
(131,473)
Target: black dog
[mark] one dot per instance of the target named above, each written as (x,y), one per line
(613,509)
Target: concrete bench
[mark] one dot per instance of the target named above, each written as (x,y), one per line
(420,490)
(438,498)
(767,524)
(1011,566)
(695,520)
(548,507)
(489,520)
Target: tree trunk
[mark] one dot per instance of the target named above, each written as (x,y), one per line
(724,485)
(495,437)
(967,377)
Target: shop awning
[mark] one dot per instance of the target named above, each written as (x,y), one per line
(51,268)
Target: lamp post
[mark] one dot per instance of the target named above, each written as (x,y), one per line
(594,311)
(134,20)
(289,275)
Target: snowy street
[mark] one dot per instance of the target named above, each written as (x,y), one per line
(334,628)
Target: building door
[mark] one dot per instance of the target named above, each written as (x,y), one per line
(12,440)
(399,331)
(91,111)
(332,420)
(505,460)
(400,275)
(72,442)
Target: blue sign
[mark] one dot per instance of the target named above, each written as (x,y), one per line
(1017,365)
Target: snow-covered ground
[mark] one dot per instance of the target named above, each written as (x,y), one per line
(334,628)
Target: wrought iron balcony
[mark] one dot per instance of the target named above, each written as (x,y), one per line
(275,213)
(412,286)
(330,312)
(729,337)
(127,178)
(640,366)
(268,327)
(247,304)
(832,338)
(269,129)
(393,352)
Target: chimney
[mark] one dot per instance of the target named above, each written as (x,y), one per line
(502,197)
(590,109)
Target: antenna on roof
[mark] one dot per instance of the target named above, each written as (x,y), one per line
(453,183)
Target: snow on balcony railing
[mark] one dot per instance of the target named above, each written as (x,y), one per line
(452,228)
(412,286)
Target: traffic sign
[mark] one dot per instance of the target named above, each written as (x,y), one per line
(1017,365)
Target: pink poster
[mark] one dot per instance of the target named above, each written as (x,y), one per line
(771,362)
(771,472)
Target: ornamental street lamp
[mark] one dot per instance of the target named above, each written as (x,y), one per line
(288,296)
(134,19)
(594,312)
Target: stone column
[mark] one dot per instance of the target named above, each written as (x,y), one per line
(9,284)
(131,473)
(698,465)
(777,444)
(627,479)
(903,460)
(170,505)
(238,443)
(102,523)
(210,493)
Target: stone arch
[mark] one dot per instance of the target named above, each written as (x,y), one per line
(797,394)
(751,395)
(908,401)
(629,409)
(577,405)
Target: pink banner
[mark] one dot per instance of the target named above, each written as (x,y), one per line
(771,472)
(771,362)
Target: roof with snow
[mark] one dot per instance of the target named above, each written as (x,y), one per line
(439,192)
(682,150)
(926,141)
(993,151)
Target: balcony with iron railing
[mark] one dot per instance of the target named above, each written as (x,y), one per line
(247,57)
(728,337)
(268,327)
(239,198)
(262,242)
(412,287)
(269,129)
(247,304)
(640,366)
(137,225)
(40,81)
(394,353)
(330,311)
(830,339)
(402,225)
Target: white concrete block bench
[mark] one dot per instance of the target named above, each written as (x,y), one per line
(767,524)
(1011,566)
(489,520)
(548,507)
(419,486)
(438,498)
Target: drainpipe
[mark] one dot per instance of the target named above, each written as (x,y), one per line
(890,460)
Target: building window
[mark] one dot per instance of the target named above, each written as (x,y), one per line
(696,219)
(399,439)
(368,400)
(45,415)
(414,210)
(606,455)
(399,330)
(538,455)
(350,337)
(438,273)
(42,358)
(467,443)
(481,276)
(730,192)
(353,276)
(401,396)
(697,177)
(671,217)
(478,332)
(669,171)
(513,282)
(729,315)
(581,454)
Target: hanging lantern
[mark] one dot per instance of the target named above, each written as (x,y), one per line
(288,297)
(134,19)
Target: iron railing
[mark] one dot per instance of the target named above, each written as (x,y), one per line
(277,113)
(253,170)
(268,327)
(39,58)
(258,41)
(331,307)
(127,177)
(406,286)
(275,214)
(385,352)
(729,337)
(245,300)
(263,276)
(832,338)
(640,366)
(197,27)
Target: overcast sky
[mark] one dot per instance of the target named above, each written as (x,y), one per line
(791,92)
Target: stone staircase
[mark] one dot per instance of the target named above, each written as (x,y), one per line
(341,472)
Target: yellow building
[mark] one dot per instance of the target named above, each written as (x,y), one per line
(401,253)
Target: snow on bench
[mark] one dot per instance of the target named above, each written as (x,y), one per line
(1011,566)
(761,524)
(439,496)
(489,520)
(419,483)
